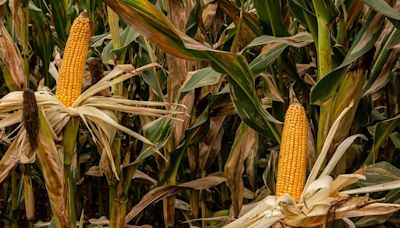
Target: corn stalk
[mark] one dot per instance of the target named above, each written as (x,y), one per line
(69,146)
(117,192)
(325,13)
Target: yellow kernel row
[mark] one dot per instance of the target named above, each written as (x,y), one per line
(293,153)
(69,82)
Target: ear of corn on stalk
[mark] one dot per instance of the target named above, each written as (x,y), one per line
(293,153)
(70,78)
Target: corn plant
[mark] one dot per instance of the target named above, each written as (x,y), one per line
(203,113)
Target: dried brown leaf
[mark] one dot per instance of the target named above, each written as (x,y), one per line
(231,10)
(10,59)
(179,68)
(342,181)
(212,144)
(8,161)
(271,89)
(307,68)
(53,173)
(234,168)
(29,199)
(94,171)
(354,12)
(352,207)
(250,149)
(18,152)
(100,221)
(171,190)
(208,14)
(384,76)
(141,175)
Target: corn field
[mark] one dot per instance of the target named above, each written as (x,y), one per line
(199,113)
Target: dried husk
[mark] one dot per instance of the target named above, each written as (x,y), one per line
(10,61)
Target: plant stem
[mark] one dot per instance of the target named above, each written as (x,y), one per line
(69,140)
(179,11)
(324,54)
(14,198)
(324,49)
(112,195)
(169,203)
(71,193)
(120,205)
(116,197)
(203,207)
(118,208)
(29,198)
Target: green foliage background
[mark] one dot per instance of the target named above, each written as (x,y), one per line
(235,65)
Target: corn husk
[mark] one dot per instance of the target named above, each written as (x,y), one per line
(324,199)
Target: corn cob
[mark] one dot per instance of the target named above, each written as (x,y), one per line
(293,153)
(70,78)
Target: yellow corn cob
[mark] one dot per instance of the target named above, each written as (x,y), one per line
(70,78)
(293,153)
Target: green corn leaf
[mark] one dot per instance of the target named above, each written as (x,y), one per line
(385,9)
(61,21)
(327,10)
(158,132)
(384,63)
(274,10)
(192,136)
(127,36)
(382,131)
(306,16)
(43,43)
(191,24)
(381,172)
(263,61)
(153,25)
(203,77)
(382,7)
(299,40)
(365,40)
(149,21)
(395,137)
(297,11)
(271,17)
(267,57)
(147,56)
(250,27)
(261,7)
